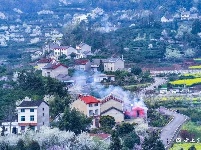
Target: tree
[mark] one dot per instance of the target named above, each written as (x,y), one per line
(107,121)
(130,140)
(196,27)
(74,121)
(172,54)
(136,70)
(124,128)
(153,142)
(33,146)
(189,53)
(192,147)
(73,55)
(115,142)
(101,66)
(20,145)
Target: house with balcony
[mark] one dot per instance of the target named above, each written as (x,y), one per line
(29,115)
(33,114)
(90,106)
(53,69)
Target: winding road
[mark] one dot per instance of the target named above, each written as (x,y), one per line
(171,129)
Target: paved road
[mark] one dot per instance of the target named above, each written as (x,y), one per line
(168,132)
(158,81)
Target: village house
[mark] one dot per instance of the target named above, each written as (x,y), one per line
(112,106)
(82,64)
(53,69)
(42,62)
(113,64)
(63,50)
(90,106)
(83,47)
(33,114)
(30,114)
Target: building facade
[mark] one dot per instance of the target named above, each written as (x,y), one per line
(90,106)
(54,69)
(113,64)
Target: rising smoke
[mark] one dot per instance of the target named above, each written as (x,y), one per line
(85,84)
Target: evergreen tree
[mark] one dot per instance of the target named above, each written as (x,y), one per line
(115,142)
(74,121)
(153,142)
(196,27)
(20,145)
(33,146)
(107,122)
(101,66)
(192,147)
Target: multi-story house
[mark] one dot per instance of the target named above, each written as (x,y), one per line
(42,62)
(113,64)
(83,47)
(32,114)
(90,106)
(82,64)
(63,50)
(112,106)
(53,69)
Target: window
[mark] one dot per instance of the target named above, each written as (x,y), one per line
(90,105)
(96,112)
(22,118)
(43,114)
(43,109)
(31,110)
(90,112)
(96,104)
(55,53)
(22,110)
(43,123)
(31,118)
(48,73)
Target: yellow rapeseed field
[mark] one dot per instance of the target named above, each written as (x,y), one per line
(187,82)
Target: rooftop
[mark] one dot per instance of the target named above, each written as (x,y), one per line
(53,65)
(45,60)
(88,99)
(81,61)
(31,103)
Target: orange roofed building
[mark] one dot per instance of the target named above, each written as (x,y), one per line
(90,106)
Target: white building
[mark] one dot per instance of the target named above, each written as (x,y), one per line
(64,50)
(82,64)
(53,69)
(113,64)
(32,114)
(83,47)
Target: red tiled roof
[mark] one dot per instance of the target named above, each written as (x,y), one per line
(81,62)
(88,99)
(45,60)
(27,124)
(102,136)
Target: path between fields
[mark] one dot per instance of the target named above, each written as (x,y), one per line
(171,129)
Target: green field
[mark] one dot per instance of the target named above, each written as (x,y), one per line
(186,146)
